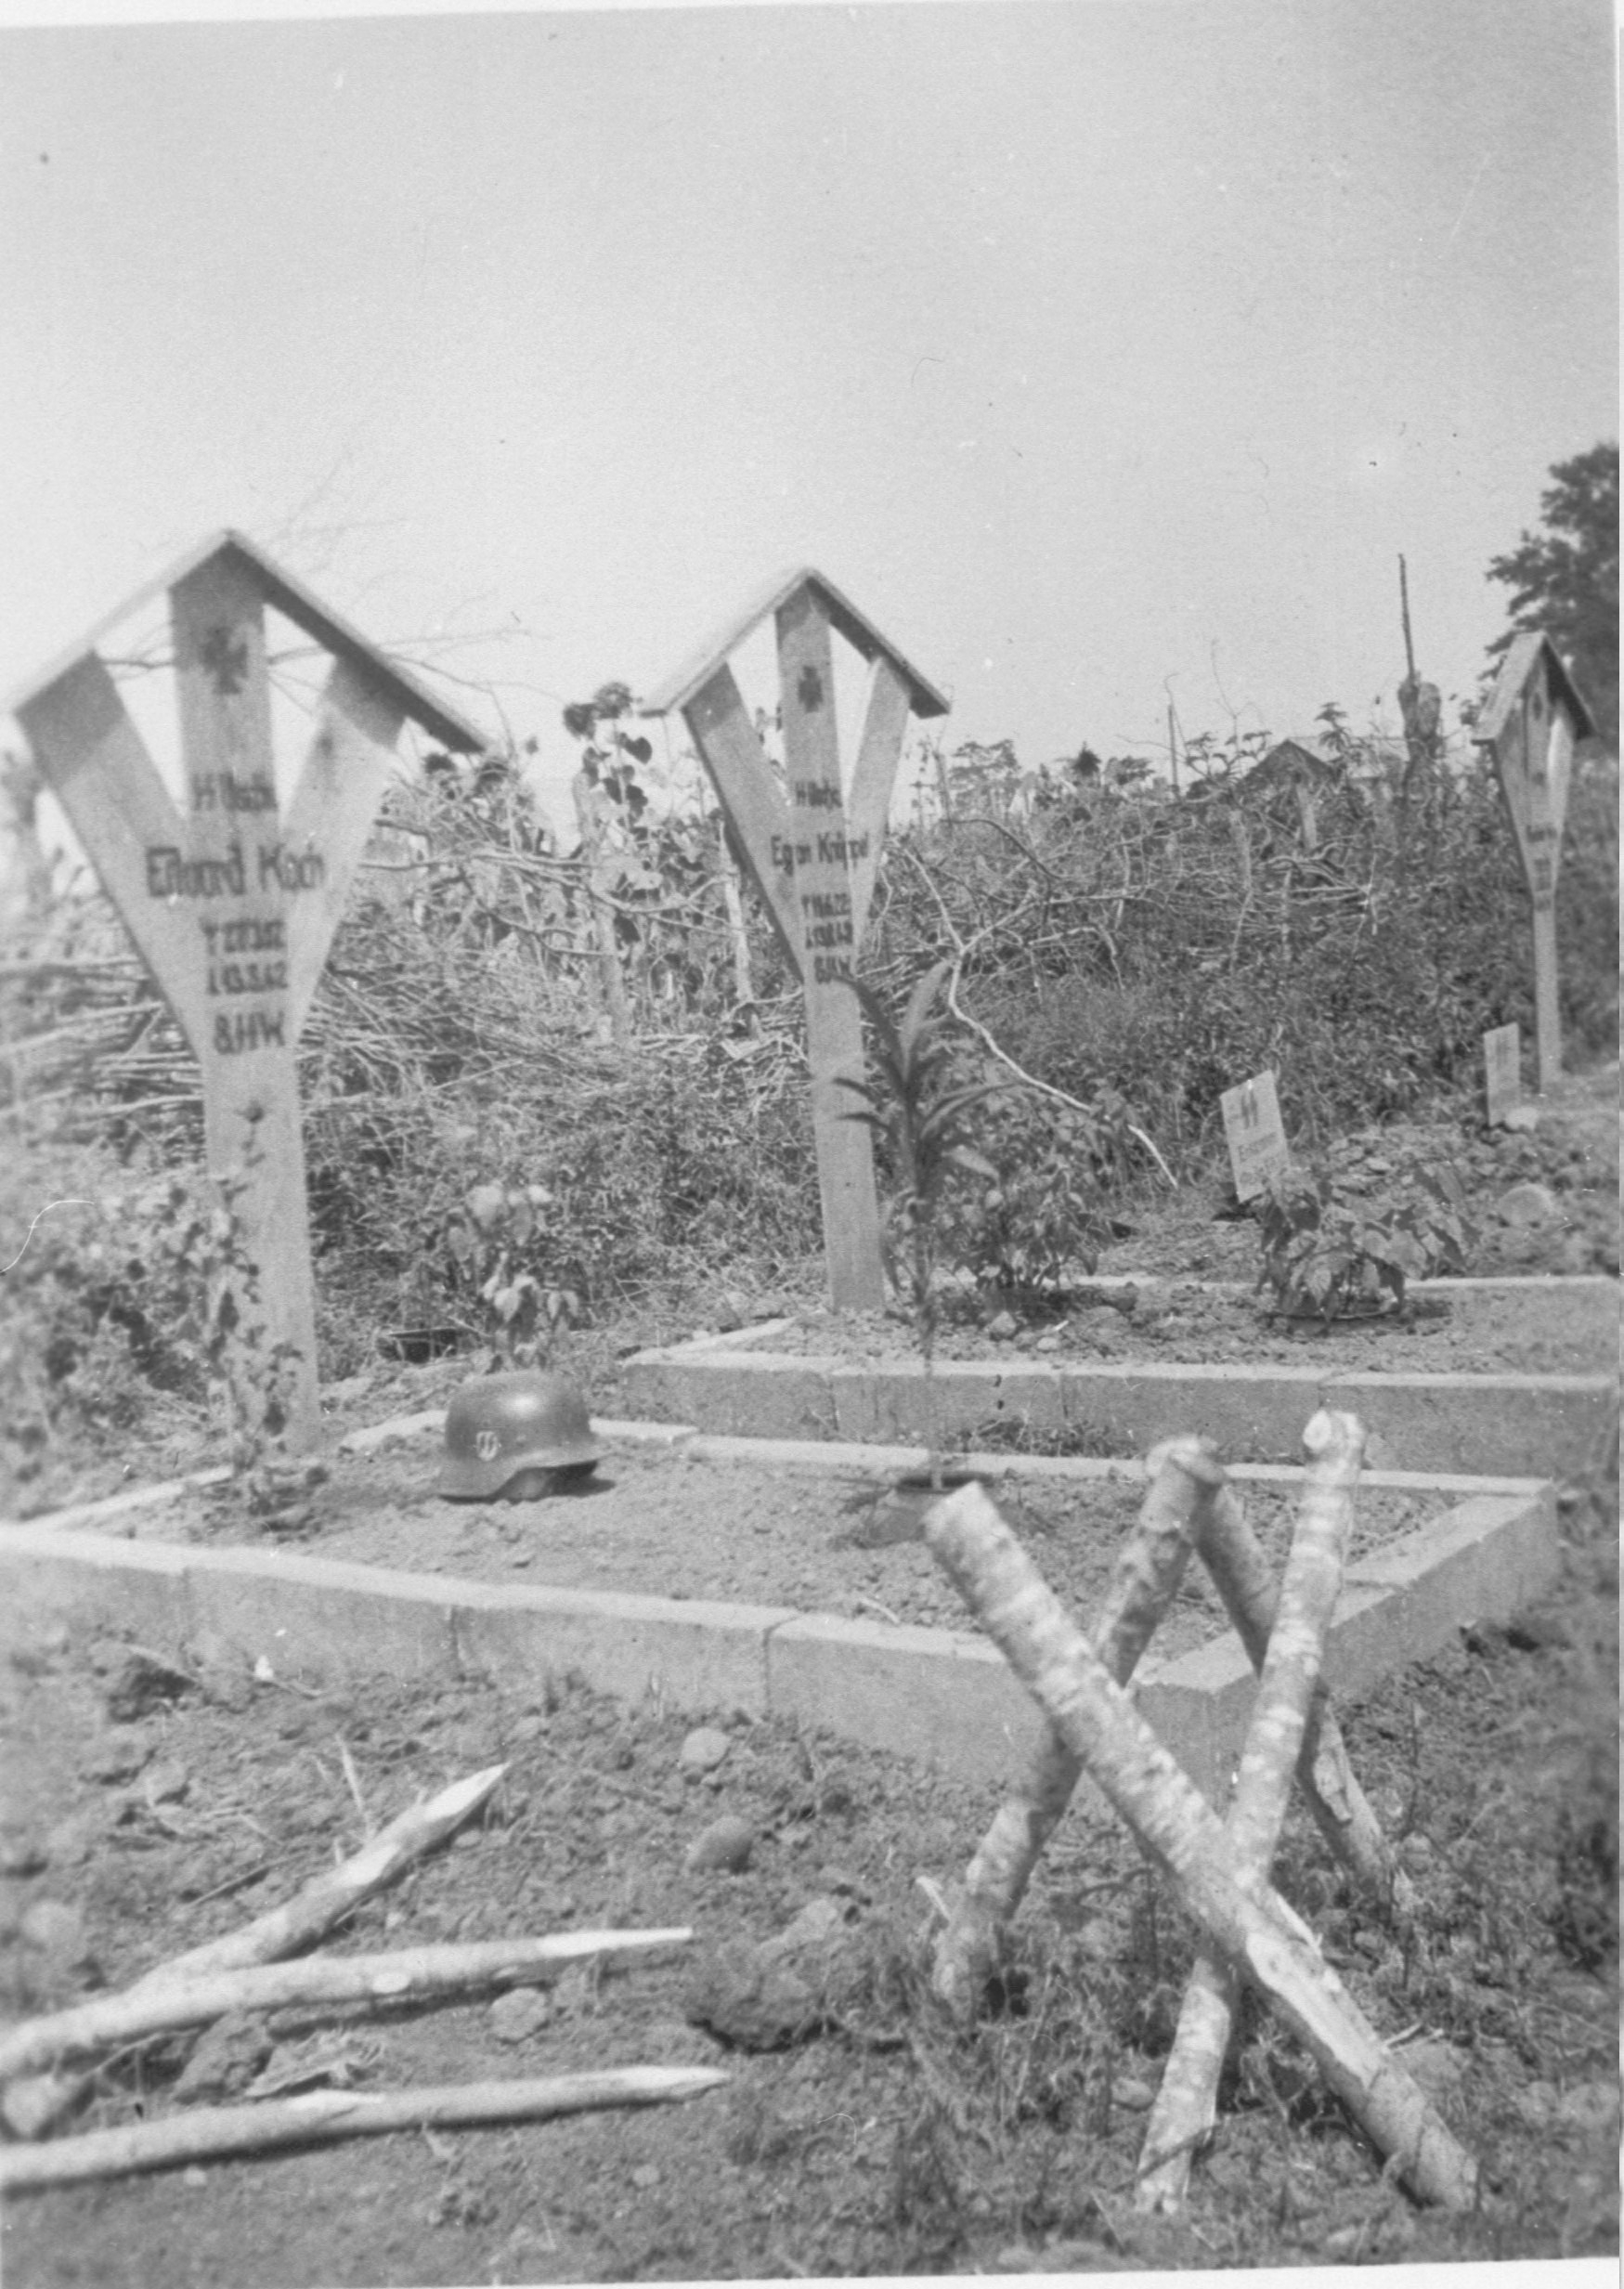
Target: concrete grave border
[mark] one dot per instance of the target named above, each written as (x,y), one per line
(943,1697)
(1456,1423)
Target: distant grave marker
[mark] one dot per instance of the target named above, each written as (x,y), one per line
(1534,718)
(813,858)
(1502,1073)
(1256,1134)
(232,903)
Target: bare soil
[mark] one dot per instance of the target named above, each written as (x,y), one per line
(875,2138)
(686,1525)
(879,2141)
(1524,1330)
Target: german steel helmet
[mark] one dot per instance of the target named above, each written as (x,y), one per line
(500,1425)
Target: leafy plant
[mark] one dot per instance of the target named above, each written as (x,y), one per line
(1328,1256)
(1043,1207)
(487,1245)
(149,1289)
(918,1109)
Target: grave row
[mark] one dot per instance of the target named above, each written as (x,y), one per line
(232,898)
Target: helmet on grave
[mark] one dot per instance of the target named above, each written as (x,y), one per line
(499,1426)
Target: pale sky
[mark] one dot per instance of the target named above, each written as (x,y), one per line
(1097,350)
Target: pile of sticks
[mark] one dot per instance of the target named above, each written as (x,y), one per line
(1219,1868)
(45,2077)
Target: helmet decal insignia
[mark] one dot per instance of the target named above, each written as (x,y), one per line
(488,1446)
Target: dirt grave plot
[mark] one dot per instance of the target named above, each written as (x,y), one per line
(1571,1330)
(860,2133)
(663,1523)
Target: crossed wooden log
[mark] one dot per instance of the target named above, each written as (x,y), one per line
(1220,1868)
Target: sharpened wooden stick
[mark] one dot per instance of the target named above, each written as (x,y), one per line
(321,2117)
(320,1905)
(1187,2104)
(407,1971)
(1183,1473)
(30,2108)
(1265,1940)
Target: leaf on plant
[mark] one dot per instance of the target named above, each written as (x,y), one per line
(485,1203)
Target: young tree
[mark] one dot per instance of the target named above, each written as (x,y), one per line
(1564,579)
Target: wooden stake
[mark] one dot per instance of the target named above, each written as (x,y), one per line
(1187,2105)
(1245,1582)
(409,1971)
(321,2117)
(1259,1935)
(31,2108)
(1149,1569)
(330,1895)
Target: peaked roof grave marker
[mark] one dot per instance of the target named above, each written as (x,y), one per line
(813,855)
(232,901)
(1534,720)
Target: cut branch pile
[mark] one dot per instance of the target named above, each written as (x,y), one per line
(1220,1871)
(245,1971)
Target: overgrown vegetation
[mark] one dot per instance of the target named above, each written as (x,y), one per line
(613,1027)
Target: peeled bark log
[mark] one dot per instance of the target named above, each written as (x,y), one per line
(321,2117)
(1245,1582)
(1184,1475)
(1260,1936)
(1187,2105)
(38,2043)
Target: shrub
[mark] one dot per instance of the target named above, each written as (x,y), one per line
(1327,1257)
(1043,1209)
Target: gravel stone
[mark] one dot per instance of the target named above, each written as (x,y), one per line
(118,1758)
(56,1930)
(517,2015)
(704,1749)
(22,1853)
(1527,1204)
(726,1843)
(227,2057)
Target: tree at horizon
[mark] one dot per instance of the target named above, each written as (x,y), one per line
(1564,579)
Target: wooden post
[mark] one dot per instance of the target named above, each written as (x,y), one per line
(232,904)
(813,860)
(1534,717)
(599,919)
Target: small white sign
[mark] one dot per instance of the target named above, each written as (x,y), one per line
(1256,1134)
(1502,1073)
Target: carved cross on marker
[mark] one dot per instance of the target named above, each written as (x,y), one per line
(1534,720)
(813,858)
(231,902)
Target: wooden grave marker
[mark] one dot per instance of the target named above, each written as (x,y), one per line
(232,901)
(1534,720)
(1256,1134)
(813,856)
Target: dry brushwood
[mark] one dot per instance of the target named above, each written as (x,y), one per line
(1146,1576)
(321,2117)
(1187,2105)
(1264,1941)
(39,2044)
